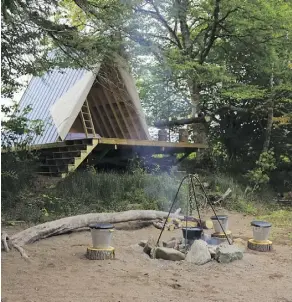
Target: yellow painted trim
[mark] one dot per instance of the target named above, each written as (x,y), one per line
(110,249)
(263,242)
(148,143)
(222,234)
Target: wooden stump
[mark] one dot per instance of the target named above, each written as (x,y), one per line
(222,235)
(260,246)
(100,254)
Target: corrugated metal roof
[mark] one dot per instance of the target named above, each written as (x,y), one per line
(42,93)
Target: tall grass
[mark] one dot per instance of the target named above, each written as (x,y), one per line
(89,191)
(110,191)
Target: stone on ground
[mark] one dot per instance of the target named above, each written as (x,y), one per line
(212,250)
(142,243)
(171,244)
(226,253)
(150,244)
(199,253)
(167,254)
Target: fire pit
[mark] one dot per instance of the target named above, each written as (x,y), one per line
(261,232)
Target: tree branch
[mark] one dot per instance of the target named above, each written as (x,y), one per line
(156,14)
(182,8)
(212,37)
(228,13)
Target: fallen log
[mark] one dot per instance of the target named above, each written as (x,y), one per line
(69,224)
(223,197)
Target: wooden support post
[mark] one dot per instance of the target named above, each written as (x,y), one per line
(95,118)
(96,158)
(118,101)
(101,117)
(114,112)
(101,99)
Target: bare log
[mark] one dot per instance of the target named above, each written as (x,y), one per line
(69,224)
(223,197)
(22,252)
(186,121)
(4,238)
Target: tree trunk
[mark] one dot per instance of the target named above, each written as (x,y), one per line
(268,132)
(200,129)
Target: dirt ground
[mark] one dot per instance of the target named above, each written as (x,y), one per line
(60,272)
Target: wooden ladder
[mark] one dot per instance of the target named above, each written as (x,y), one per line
(87,120)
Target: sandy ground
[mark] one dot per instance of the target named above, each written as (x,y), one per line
(60,272)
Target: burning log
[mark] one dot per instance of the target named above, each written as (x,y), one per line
(190,222)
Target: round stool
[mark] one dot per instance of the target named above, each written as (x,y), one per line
(100,254)
(261,246)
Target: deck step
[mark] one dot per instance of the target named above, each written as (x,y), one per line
(64,168)
(68,154)
(65,149)
(52,174)
(83,141)
(62,160)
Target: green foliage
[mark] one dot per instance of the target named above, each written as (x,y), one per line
(18,163)
(260,174)
(228,59)
(18,130)
(279,218)
(92,191)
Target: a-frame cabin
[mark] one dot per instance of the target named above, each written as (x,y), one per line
(91,116)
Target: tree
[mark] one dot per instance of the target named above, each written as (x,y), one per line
(37,36)
(19,164)
(192,35)
(211,56)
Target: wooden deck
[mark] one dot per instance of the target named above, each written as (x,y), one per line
(160,146)
(61,158)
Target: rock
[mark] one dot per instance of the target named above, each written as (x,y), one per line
(212,250)
(158,224)
(216,241)
(182,248)
(167,254)
(142,243)
(226,253)
(172,244)
(199,253)
(150,244)
(240,243)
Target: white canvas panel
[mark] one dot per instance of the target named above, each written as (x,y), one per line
(66,109)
